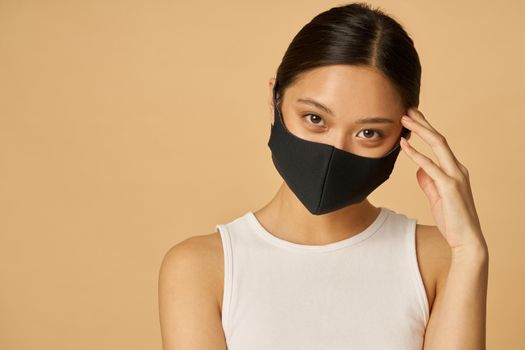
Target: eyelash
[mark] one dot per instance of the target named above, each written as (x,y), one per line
(378,132)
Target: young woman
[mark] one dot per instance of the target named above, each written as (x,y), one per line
(319,266)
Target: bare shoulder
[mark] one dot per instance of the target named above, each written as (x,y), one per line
(202,255)
(434,256)
(190,279)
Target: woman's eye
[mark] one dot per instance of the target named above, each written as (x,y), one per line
(316,120)
(369,132)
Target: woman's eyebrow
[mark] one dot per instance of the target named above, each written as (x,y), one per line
(363,120)
(314,103)
(375,120)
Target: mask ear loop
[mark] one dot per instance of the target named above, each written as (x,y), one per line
(274,93)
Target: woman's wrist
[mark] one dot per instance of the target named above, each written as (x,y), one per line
(475,252)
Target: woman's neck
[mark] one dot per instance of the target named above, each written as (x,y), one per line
(286,217)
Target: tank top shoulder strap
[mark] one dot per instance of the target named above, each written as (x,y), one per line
(406,228)
(231,232)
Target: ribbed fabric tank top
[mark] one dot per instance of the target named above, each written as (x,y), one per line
(364,292)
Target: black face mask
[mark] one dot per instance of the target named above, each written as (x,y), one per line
(325,178)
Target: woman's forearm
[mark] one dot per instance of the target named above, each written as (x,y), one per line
(458,321)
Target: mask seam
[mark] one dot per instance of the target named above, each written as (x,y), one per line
(325,178)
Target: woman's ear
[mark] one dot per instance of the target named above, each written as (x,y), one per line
(271,84)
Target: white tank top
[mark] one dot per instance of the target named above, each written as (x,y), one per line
(364,292)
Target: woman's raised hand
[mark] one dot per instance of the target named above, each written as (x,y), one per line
(446,185)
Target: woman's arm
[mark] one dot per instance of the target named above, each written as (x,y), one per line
(190,316)
(458,319)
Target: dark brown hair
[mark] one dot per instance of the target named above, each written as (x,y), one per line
(354,34)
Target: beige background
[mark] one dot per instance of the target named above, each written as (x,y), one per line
(127,126)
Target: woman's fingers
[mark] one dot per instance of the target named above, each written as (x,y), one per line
(434,171)
(446,158)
